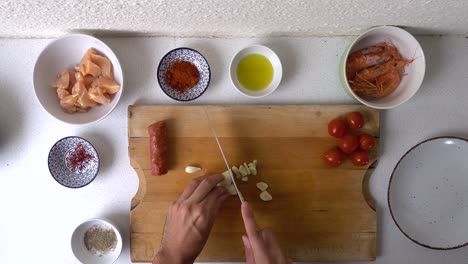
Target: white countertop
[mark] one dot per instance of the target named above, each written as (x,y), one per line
(39,215)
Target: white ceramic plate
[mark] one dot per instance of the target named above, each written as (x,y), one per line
(428,193)
(83,254)
(66,52)
(408,47)
(275,62)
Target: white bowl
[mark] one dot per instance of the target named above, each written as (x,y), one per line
(275,62)
(83,254)
(408,47)
(66,52)
(428,193)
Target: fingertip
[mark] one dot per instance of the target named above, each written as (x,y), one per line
(246,242)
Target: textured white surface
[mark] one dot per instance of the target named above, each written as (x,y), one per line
(25,18)
(39,215)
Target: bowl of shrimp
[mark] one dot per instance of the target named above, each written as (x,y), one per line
(383,68)
(78,79)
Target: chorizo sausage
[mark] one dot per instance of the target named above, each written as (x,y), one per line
(159,148)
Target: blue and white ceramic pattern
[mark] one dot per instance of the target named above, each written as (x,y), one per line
(190,55)
(63,173)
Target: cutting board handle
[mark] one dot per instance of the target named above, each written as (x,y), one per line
(141,186)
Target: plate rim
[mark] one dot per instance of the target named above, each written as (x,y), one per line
(98,161)
(390,183)
(159,68)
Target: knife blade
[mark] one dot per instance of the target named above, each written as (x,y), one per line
(213,130)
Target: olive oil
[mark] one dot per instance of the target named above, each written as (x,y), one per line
(255,72)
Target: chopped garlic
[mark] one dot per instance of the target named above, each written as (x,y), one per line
(266,196)
(252,169)
(191,169)
(255,162)
(244,171)
(231,189)
(227,179)
(245,179)
(262,186)
(236,172)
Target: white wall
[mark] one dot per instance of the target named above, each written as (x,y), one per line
(44,18)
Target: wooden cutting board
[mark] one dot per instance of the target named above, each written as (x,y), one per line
(318,213)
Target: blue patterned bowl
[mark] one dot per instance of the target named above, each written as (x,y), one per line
(73,162)
(190,55)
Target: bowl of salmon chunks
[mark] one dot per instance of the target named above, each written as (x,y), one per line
(383,68)
(78,79)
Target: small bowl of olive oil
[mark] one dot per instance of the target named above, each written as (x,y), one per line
(256,71)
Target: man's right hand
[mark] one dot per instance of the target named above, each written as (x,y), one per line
(261,246)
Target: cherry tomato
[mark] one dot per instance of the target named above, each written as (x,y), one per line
(333,157)
(366,142)
(355,120)
(359,158)
(348,143)
(337,128)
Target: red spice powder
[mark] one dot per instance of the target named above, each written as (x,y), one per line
(182,75)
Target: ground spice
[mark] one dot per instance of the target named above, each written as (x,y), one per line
(182,75)
(78,158)
(100,240)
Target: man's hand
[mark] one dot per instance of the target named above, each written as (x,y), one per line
(261,246)
(190,219)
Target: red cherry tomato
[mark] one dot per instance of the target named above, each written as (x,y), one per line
(333,157)
(337,128)
(355,120)
(348,143)
(366,142)
(359,158)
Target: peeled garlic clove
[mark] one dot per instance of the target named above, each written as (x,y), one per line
(191,169)
(244,171)
(236,172)
(245,179)
(262,186)
(231,189)
(227,179)
(266,196)
(255,162)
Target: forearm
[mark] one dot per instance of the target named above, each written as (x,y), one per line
(163,258)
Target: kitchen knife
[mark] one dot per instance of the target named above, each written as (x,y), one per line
(213,130)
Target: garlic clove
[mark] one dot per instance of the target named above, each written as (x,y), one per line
(236,172)
(262,186)
(227,179)
(231,189)
(245,179)
(255,162)
(266,196)
(192,169)
(244,171)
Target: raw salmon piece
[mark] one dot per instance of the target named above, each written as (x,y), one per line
(98,95)
(105,65)
(109,86)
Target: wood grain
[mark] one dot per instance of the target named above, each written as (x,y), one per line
(318,213)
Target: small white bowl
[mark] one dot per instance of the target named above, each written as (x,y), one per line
(408,47)
(66,52)
(83,254)
(275,62)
